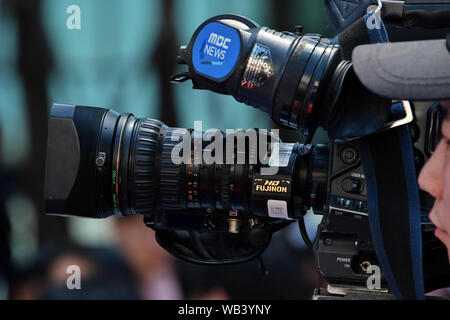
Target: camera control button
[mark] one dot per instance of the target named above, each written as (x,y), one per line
(352,185)
(101,159)
(348,204)
(349,155)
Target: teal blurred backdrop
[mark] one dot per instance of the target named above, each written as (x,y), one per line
(121,58)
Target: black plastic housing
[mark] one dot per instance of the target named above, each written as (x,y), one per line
(72,180)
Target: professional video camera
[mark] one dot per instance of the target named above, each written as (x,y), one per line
(101,163)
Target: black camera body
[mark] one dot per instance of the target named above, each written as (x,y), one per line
(343,248)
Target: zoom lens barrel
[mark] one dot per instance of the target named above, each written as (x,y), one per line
(101,163)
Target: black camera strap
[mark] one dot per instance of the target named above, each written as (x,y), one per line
(393,199)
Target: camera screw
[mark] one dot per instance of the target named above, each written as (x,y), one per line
(365,265)
(328,241)
(298,30)
(101,159)
(234,225)
(349,155)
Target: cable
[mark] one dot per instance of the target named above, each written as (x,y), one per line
(304,233)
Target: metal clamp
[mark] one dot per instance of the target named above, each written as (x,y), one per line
(408,118)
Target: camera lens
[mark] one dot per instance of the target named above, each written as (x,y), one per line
(101,163)
(74,184)
(195,185)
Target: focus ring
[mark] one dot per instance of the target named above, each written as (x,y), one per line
(170,174)
(145,165)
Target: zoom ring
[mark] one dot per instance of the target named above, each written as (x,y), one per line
(145,165)
(170,175)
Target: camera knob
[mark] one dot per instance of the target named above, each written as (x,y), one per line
(352,185)
(349,155)
(100,160)
(298,30)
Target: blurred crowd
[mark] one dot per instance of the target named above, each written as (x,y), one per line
(137,268)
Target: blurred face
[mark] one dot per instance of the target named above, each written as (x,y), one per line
(435,179)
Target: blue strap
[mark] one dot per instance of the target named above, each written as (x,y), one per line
(415,214)
(379,219)
(342,13)
(374,217)
(376,28)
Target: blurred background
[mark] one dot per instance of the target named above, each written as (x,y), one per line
(121,58)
